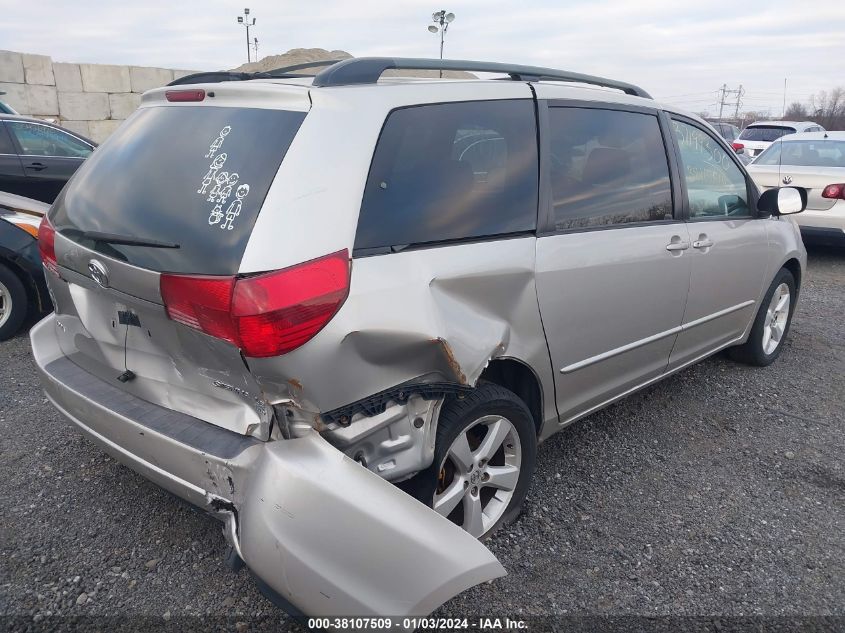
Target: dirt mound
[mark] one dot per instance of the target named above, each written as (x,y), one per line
(302,55)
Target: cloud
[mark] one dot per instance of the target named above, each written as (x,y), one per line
(681,50)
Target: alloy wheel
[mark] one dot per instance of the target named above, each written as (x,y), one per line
(479,474)
(777,316)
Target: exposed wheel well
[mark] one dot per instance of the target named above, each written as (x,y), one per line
(519,378)
(794,267)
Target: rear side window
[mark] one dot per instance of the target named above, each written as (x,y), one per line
(41,140)
(195,176)
(607,167)
(816,153)
(451,171)
(765,133)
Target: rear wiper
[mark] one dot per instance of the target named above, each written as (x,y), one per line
(126,240)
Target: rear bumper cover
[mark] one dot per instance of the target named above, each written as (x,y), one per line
(327,535)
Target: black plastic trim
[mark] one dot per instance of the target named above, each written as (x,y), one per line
(377,403)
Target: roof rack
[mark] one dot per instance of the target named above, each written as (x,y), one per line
(368,70)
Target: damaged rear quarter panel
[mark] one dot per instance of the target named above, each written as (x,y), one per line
(447,311)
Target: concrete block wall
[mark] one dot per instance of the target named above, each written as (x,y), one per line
(90,99)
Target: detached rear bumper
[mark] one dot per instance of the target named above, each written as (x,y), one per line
(327,535)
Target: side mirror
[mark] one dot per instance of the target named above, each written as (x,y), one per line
(783,201)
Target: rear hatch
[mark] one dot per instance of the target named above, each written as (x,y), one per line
(176,189)
(756,138)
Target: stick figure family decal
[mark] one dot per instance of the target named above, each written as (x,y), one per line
(224,183)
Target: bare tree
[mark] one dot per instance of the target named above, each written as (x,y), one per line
(828,109)
(795,112)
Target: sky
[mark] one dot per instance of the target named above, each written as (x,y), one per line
(680,51)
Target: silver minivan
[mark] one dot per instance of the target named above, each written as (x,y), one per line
(340,312)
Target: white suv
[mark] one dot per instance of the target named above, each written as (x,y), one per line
(307,305)
(760,134)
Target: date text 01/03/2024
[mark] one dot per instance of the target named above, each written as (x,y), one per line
(440,624)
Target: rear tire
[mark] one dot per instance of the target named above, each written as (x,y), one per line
(771,325)
(13,303)
(484,457)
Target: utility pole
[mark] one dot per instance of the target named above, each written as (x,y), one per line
(244,19)
(724,100)
(783,112)
(255,47)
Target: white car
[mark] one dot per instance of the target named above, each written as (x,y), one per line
(814,161)
(760,134)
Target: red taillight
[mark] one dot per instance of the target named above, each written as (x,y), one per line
(836,192)
(47,245)
(185,95)
(737,146)
(265,315)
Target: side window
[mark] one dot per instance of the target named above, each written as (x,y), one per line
(608,167)
(6,146)
(716,187)
(41,140)
(451,171)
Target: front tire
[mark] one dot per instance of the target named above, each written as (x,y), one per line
(484,458)
(771,325)
(13,303)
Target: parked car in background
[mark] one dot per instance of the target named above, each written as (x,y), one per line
(23,292)
(300,345)
(814,161)
(5,108)
(760,134)
(727,131)
(37,158)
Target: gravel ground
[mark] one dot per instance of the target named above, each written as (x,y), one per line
(718,492)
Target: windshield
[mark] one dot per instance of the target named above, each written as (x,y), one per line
(195,177)
(815,153)
(765,133)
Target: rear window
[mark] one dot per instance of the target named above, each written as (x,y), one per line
(765,133)
(817,153)
(451,171)
(192,176)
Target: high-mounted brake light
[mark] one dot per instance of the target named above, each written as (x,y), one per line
(737,146)
(185,95)
(47,245)
(265,315)
(835,192)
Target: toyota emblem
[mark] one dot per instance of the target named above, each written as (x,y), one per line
(99,273)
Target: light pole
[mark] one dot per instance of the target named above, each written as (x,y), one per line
(441,20)
(255,47)
(244,19)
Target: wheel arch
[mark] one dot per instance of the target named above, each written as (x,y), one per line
(794,266)
(518,377)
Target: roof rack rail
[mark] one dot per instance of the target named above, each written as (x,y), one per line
(368,70)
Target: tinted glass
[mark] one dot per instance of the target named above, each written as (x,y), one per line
(817,153)
(194,176)
(6,146)
(715,185)
(607,167)
(766,133)
(41,140)
(451,171)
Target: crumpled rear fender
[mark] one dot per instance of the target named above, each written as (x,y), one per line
(332,538)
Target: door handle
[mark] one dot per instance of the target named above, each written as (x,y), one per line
(677,246)
(705,243)
(36,166)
